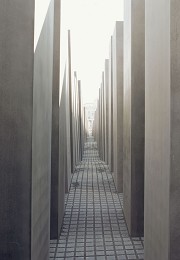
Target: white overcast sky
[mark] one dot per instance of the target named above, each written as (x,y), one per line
(91,23)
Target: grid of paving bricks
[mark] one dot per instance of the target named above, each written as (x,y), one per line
(94,226)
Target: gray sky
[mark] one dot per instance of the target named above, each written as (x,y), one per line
(91,23)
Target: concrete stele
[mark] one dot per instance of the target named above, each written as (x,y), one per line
(133,118)
(118,105)
(162,135)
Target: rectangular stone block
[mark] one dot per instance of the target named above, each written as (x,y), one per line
(70,99)
(81,147)
(133,115)
(162,135)
(65,148)
(67,85)
(56,217)
(26,73)
(106,98)
(76,121)
(103,117)
(118,105)
(110,114)
(100,123)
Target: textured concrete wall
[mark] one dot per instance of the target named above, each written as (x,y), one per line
(70,99)
(76,121)
(100,125)
(62,149)
(162,150)
(41,139)
(97,124)
(67,137)
(55,126)
(75,116)
(25,132)
(110,132)
(81,147)
(133,119)
(118,105)
(103,118)
(16,108)
(106,85)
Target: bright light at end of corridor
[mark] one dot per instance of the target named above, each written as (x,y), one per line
(91,23)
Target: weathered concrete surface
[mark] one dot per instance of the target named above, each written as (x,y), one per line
(110,115)
(96,130)
(76,121)
(106,98)
(101,122)
(25,132)
(62,150)
(41,139)
(118,105)
(54,230)
(100,125)
(81,147)
(133,119)
(67,136)
(70,99)
(103,117)
(16,101)
(162,136)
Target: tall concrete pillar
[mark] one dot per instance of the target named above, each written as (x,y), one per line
(106,86)
(62,154)
(26,76)
(70,99)
(80,121)
(97,124)
(103,117)
(74,120)
(110,132)
(133,119)
(162,135)
(56,216)
(102,123)
(118,105)
(67,135)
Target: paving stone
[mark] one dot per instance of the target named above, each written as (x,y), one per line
(94,227)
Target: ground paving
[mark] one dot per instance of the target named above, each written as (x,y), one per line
(94,227)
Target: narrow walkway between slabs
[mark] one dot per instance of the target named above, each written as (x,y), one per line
(94,226)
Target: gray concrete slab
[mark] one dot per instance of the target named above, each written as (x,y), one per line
(62,151)
(118,105)
(162,150)
(16,102)
(67,136)
(133,119)
(106,85)
(103,116)
(54,226)
(25,132)
(70,98)
(110,115)
(80,122)
(99,125)
(76,120)
(41,139)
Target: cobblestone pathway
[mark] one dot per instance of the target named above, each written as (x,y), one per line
(94,225)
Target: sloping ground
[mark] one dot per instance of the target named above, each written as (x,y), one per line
(94,226)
